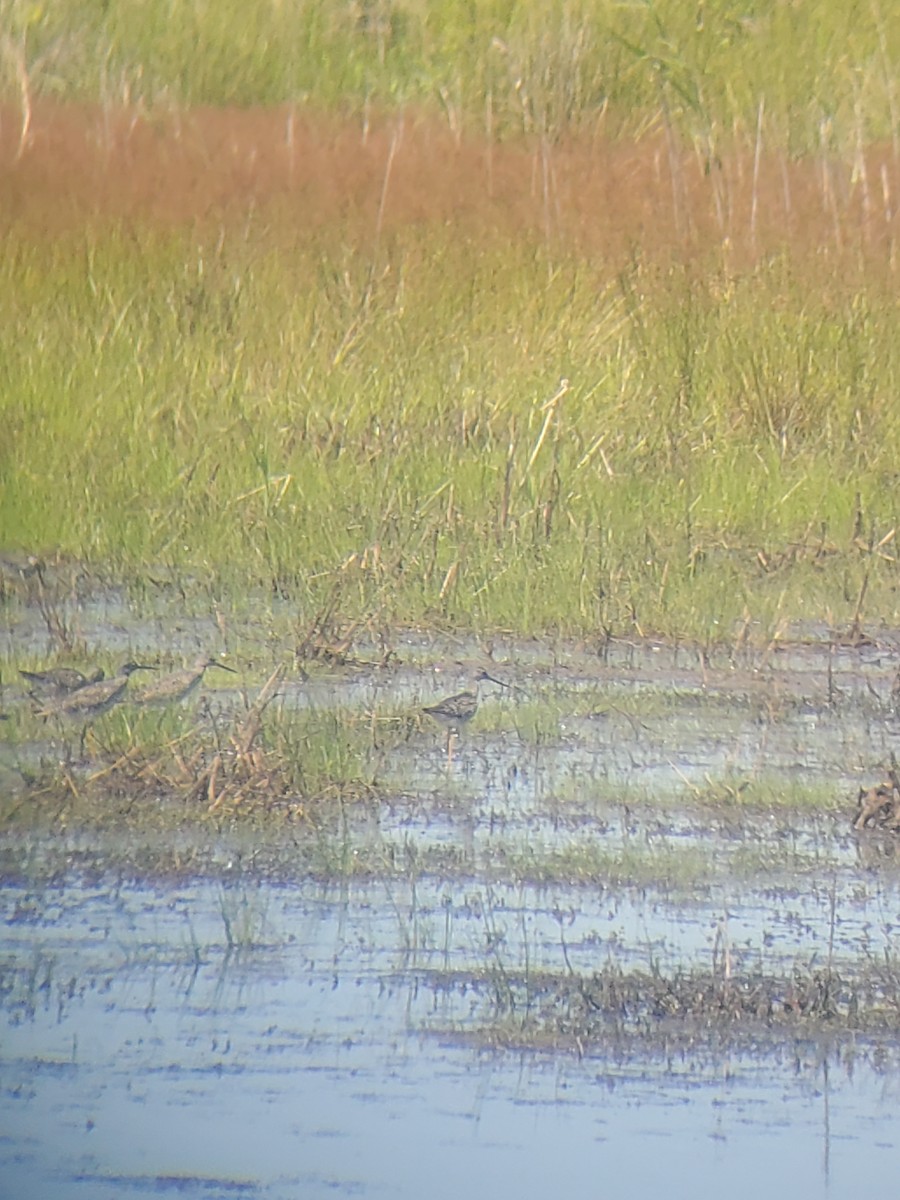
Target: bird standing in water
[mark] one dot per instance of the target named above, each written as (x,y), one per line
(172,689)
(91,701)
(455,712)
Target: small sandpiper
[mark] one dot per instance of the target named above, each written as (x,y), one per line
(94,699)
(172,689)
(455,712)
(59,681)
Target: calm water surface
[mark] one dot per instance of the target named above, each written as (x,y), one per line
(141,1056)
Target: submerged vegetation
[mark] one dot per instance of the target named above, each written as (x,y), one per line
(636,1012)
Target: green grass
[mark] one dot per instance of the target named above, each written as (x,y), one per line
(266,418)
(364,413)
(823,71)
(156,769)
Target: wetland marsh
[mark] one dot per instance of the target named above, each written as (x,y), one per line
(631,907)
(356,349)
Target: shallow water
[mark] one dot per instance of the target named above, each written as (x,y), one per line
(251,1030)
(325,1057)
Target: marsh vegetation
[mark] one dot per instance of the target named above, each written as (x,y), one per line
(620,359)
(351,347)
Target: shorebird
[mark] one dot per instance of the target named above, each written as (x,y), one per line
(172,689)
(455,712)
(94,699)
(60,681)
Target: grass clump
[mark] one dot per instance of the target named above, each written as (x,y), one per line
(766,794)
(655,1011)
(258,762)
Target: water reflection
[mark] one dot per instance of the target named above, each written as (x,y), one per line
(256,1039)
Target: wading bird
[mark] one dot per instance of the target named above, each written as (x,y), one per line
(172,689)
(455,712)
(94,699)
(60,681)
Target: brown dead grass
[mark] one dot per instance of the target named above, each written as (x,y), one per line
(301,173)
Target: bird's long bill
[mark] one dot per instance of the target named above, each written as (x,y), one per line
(499,682)
(509,687)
